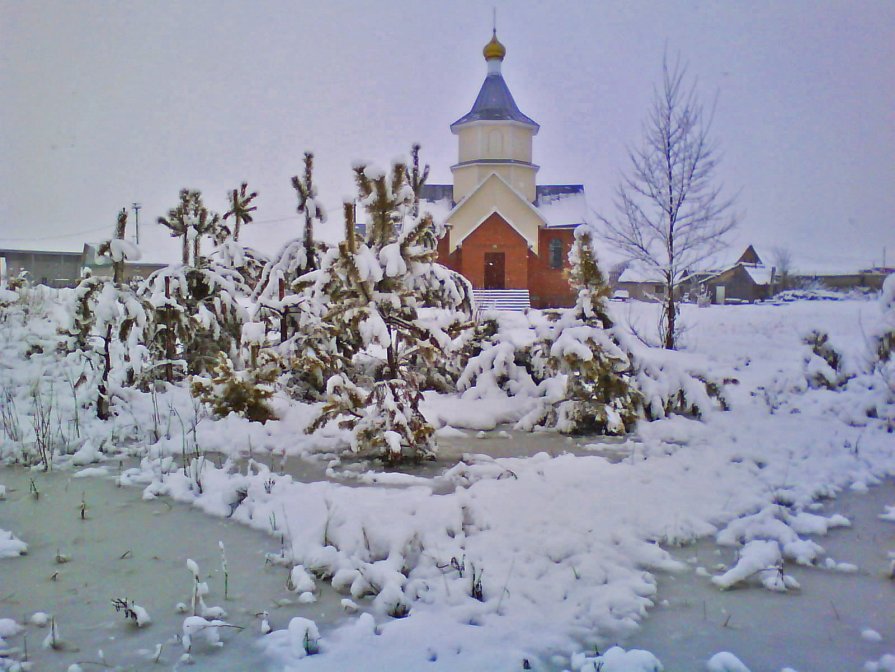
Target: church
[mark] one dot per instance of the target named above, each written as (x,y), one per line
(509,236)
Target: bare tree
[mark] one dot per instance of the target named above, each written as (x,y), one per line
(782,260)
(671,214)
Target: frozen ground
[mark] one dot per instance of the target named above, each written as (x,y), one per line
(818,627)
(127,548)
(500,561)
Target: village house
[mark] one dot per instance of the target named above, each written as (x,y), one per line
(509,236)
(747,280)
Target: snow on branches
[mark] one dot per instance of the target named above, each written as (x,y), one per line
(582,368)
(196,309)
(373,287)
(108,323)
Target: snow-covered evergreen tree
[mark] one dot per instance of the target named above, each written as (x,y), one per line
(109,321)
(599,395)
(246,393)
(196,312)
(280,296)
(368,286)
(310,208)
(230,252)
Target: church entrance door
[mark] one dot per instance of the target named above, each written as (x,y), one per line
(495,264)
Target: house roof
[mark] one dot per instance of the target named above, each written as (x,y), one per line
(494,103)
(563,205)
(750,256)
(760,275)
(639,272)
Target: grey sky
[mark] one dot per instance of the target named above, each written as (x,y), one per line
(104,103)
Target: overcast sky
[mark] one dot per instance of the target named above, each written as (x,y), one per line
(106,103)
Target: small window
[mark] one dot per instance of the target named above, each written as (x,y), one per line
(660,289)
(555,253)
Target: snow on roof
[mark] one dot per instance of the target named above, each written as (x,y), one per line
(439,209)
(639,272)
(730,257)
(562,205)
(761,275)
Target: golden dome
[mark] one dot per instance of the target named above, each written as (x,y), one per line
(494,49)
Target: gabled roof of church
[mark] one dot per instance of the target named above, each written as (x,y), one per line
(494,103)
(563,206)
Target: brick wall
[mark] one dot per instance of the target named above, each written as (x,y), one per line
(492,235)
(549,287)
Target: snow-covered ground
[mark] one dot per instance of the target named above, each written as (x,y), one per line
(531,561)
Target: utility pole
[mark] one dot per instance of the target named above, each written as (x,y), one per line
(136,208)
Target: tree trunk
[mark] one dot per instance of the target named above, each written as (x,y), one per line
(102,398)
(169,340)
(670,309)
(284,325)
(310,261)
(392,354)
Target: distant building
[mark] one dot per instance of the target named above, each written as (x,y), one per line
(748,280)
(745,281)
(865,279)
(508,235)
(64,269)
(46,267)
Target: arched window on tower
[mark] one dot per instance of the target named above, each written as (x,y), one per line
(555,253)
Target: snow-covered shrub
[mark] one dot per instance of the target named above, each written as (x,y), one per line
(823,364)
(385,422)
(246,393)
(668,388)
(884,338)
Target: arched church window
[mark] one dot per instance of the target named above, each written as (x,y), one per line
(555,253)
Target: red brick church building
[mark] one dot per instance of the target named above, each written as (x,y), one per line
(505,233)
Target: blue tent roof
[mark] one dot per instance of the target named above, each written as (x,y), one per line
(494,103)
